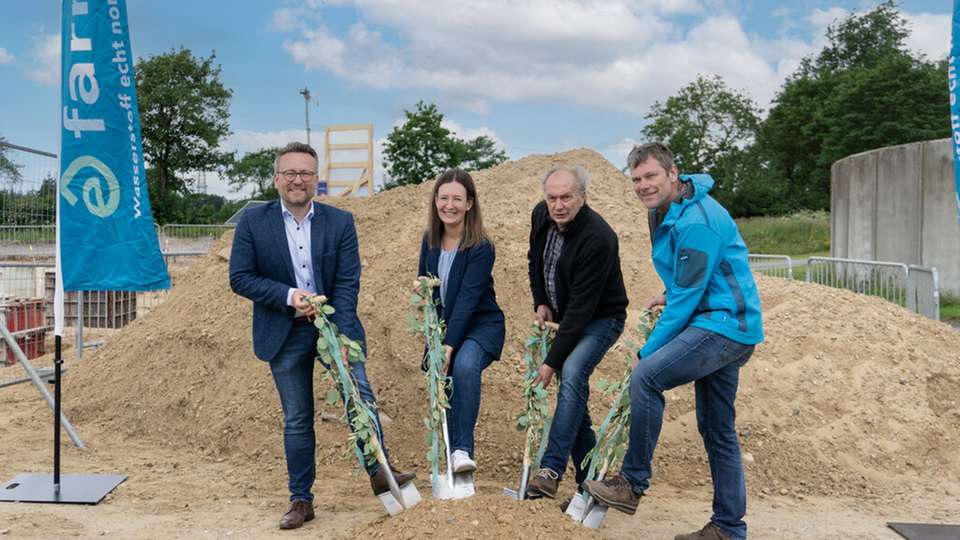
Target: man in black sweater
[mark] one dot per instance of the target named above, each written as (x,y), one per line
(575,278)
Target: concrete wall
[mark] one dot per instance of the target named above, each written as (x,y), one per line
(898,204)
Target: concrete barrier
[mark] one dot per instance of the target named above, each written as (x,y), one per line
(898,204)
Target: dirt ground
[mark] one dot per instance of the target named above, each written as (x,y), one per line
(849,414)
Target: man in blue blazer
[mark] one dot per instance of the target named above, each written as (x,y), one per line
(284,252)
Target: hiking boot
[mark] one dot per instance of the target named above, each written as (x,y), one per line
(544,484)
(380,484)
(461,462)
(299,512)
(709,532)
(615,492)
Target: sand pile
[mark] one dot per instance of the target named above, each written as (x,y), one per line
(480,517)
(849,395)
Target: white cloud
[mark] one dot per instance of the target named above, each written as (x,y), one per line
(5,56)
(612,54)
(286,19)
(473,133)
(616,153)
(46,60)
(615,54)
(821,19)
(245,141)
(930,34)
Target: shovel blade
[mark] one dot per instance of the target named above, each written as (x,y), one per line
(409,497)
(390,503)
(512,494)
(457,486)
(595,515)
(463,485)
(577,508)
(586,510)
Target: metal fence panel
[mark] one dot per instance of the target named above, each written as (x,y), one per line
(924,291)
(915,287)
(771,265)
(191,237)
(28,189)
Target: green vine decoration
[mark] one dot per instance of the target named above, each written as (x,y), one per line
(535,417)
(428,324)
(614,433)
(330,348)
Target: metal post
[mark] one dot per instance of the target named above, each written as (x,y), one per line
(305,92)
(79,323)
(38,382)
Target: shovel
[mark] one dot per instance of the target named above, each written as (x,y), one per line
(586,510)
(451,485)
(399,498)
(521,493)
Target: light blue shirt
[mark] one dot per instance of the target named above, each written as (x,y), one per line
(443,268)
(298,243)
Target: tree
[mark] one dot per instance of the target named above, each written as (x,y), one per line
(422,148)
(254,168)
(863,41)
(709,128)
(864,90)
(481,153)
(419,149)
(8,168)
(184,114)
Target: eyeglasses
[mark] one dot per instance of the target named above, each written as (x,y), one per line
(292,175)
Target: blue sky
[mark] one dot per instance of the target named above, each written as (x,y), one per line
(539,76)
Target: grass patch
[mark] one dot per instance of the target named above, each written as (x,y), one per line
(801,233)
(949,308)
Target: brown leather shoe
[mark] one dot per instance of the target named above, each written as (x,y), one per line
(709,532)
(544,484)
(299,512)
(380,484)
(615,492)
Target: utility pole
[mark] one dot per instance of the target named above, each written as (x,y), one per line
(305,92)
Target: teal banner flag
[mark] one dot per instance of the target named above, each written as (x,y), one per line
(107,238)
(955,98)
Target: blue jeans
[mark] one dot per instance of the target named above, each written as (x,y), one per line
(292,370)
(713,362)
(571,434)
(468,364)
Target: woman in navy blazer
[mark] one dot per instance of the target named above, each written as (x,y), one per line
(456,249)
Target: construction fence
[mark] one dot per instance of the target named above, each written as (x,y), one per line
(916,288)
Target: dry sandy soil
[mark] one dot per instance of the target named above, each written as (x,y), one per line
(849,413)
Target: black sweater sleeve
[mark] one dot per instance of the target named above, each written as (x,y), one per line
(535,258)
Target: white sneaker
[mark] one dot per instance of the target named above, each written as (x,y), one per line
(462,462)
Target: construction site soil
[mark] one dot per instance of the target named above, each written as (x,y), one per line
(849,412)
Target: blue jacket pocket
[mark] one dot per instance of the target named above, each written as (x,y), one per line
(691,267)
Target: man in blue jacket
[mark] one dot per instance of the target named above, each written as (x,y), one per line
(708,329)
(284,252)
